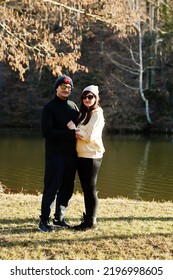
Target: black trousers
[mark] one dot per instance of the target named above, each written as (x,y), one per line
(58,180)
(88,169)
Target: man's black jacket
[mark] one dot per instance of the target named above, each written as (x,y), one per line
(60,140)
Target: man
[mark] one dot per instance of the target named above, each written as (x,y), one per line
(60,150)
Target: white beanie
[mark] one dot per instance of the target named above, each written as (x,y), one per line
(93,89)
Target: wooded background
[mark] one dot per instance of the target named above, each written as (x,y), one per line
(125,47)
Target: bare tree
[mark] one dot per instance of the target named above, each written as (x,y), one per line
(41,31)
(143,62)
(134,64)
(49,32)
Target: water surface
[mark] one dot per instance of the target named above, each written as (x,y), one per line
(133,166)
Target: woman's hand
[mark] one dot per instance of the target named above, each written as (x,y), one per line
(78,135)
(71,125)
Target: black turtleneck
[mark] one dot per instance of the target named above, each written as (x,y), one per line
(60,140)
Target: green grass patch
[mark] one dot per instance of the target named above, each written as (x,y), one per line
(127,230)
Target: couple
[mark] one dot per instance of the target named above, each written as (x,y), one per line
(73,141)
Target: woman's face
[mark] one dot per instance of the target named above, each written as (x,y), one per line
(88,99)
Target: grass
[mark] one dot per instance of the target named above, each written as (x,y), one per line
(127,230)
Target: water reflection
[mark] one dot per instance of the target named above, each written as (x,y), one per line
(133,166)
(138,168)
(140,176)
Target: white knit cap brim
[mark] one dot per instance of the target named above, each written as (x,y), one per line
(93,89)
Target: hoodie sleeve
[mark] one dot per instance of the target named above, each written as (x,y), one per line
(93,129)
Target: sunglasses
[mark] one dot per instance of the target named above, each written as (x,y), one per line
(63,86)
(90,97)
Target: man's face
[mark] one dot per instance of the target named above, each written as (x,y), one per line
(63,91)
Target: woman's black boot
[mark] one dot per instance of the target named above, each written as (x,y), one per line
(86,223)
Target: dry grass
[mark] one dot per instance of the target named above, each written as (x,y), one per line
(127,230)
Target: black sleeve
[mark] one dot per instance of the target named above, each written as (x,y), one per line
(48,129)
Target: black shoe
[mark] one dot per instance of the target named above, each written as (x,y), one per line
(45,227)
(86,224)
(62,224)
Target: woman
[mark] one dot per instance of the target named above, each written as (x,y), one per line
(90,151)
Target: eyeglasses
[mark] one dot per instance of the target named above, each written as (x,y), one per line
(63,86)
(90,97)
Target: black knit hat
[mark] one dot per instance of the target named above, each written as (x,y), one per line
(63,80)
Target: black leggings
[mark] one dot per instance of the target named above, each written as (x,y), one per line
(88,169)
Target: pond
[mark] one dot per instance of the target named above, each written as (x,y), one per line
(134,166)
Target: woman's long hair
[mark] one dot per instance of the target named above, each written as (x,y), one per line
(86,113)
